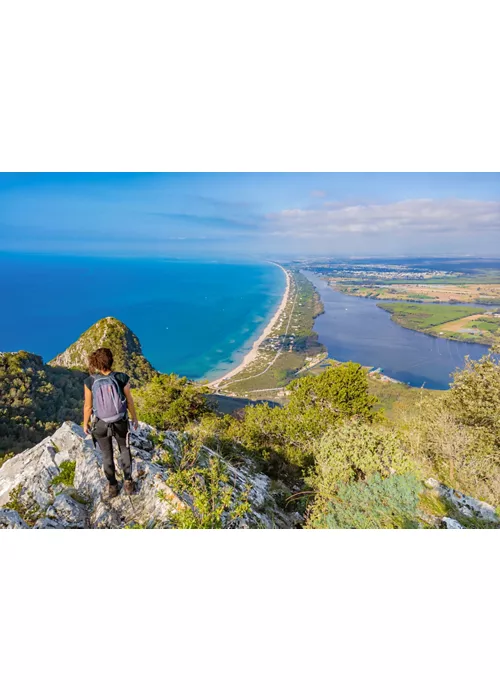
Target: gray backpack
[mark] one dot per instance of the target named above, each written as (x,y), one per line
(108,402)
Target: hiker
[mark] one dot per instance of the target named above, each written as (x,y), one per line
(107,398)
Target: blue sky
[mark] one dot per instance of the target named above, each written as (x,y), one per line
(251,214)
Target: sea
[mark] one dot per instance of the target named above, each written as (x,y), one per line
(197,318)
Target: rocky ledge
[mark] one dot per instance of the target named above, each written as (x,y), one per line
(37,492)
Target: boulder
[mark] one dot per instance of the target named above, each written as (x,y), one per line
(451,524)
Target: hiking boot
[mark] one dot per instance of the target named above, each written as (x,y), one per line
(129,487)
(112,490)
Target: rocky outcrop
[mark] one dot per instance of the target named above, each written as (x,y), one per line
(31,495)
(123,343)
(466,505)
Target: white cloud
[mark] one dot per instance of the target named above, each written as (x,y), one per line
(410,218)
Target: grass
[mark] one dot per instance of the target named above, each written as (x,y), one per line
(66,474)
(397,400)
(422,317)
(432,504)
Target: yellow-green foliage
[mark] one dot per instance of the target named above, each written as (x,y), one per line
(170,402)
(66,474)
(123,343)
(353,452)
(282,438)
(21,501)
(5,458)
(456,434)
(212,503)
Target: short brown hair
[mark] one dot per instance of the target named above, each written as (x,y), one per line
(101,360)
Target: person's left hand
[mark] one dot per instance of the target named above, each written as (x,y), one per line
(86,430)
(135,424)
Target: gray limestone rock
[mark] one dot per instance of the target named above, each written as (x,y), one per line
(86,504)
(451,524)
(468,506)
(11,520)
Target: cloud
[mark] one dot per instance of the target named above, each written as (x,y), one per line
(318,193)
(416,217)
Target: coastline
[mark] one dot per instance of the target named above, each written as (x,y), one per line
(253,352)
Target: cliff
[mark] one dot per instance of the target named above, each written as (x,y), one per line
(59,483)
(123,343)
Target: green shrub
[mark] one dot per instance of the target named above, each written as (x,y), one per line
(354,451)
(211,502)
(66,474)
(169,402)
(389,503)
(282,438)
(5,457)
(25,505)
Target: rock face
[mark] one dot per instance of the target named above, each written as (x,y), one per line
(468,506)
(31,497)
(115,335)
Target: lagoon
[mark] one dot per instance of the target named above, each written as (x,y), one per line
(355,328)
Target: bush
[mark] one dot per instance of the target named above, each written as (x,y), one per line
(5,457)
(282,438)
(456,434)
(170,402)
(350,453)
(212,503)
(66,474)
(375,503)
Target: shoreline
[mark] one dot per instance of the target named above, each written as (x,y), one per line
(253,352)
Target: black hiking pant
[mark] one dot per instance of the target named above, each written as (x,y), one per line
(104,434)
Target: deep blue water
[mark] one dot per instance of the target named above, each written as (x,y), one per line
(354,328)
(195,318)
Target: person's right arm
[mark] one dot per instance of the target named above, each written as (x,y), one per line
(87,409)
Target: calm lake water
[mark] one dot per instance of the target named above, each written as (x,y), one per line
(353,328)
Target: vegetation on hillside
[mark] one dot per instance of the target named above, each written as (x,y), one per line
(115,335)
(35,399)
(335,452)
(170,402)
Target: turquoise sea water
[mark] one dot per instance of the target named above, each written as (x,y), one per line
(194,317)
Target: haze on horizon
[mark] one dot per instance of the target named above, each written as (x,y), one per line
(251,214)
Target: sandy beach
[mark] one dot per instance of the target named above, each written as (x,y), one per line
(252,354)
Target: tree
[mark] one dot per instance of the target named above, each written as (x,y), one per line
(474,397)
(284,437)
(337,393)
(456,434)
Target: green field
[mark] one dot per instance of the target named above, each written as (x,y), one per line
(423,317)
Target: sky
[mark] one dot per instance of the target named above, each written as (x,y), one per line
(282,215)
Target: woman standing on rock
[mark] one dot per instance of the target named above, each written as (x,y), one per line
(107,399)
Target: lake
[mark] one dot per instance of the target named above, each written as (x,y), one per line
(355,328)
